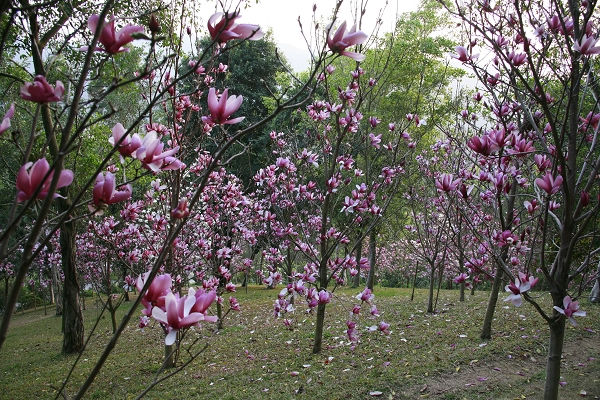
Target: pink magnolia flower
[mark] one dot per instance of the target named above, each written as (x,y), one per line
(529,279)
(446,183)
(375,140)
(182,210)
(177,314)
(351,331)
(516,59)
(482,145)
(549,184)
(222,28)
(144,321)
(462,54)
(591,120)
(234,304)
(6,119)
(203,301)
(112,40)
(324,297)
(461,278)
(105,191)
(384,327)
(349,205)
(128,145)
(531,206)
(155,295)
(222,107)
(31,176)
(587,45)
(230,287)
(542,162)
(366,295)
(571,309)
(342,40)
(151,154)
(40,91)
(516,288)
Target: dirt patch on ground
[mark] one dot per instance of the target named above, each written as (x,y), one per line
(518,378)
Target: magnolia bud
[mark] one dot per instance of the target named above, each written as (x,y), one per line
(585,198)
(154,25)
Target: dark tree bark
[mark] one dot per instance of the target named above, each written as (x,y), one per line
(412,295)
(486,331)
(72,321)
(431,287)
(506,223)
(318,343)
(557,336)
(356,282)
(595,294)
(57,296)
(372,258)
(461,268)
(169,356)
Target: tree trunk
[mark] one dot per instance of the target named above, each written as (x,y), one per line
(372,259)
(72,316)
(412,295)
(431,287)
(461,268)
(319,329)
(486,331)
(289,266)
(439,286)
(595,294)
(5,291)
(125,287)
(169,356)
(557,336)
(113,311)
(57,296)
(356,282)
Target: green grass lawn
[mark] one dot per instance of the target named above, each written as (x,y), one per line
(256,357)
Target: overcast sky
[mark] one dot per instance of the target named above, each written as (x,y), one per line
(281,16)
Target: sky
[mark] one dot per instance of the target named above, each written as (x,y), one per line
(281,16)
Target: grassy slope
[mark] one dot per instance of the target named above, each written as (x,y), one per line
(434,356)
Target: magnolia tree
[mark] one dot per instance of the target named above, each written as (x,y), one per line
(426,236)
(155,143)
(315,195)
(538,153)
